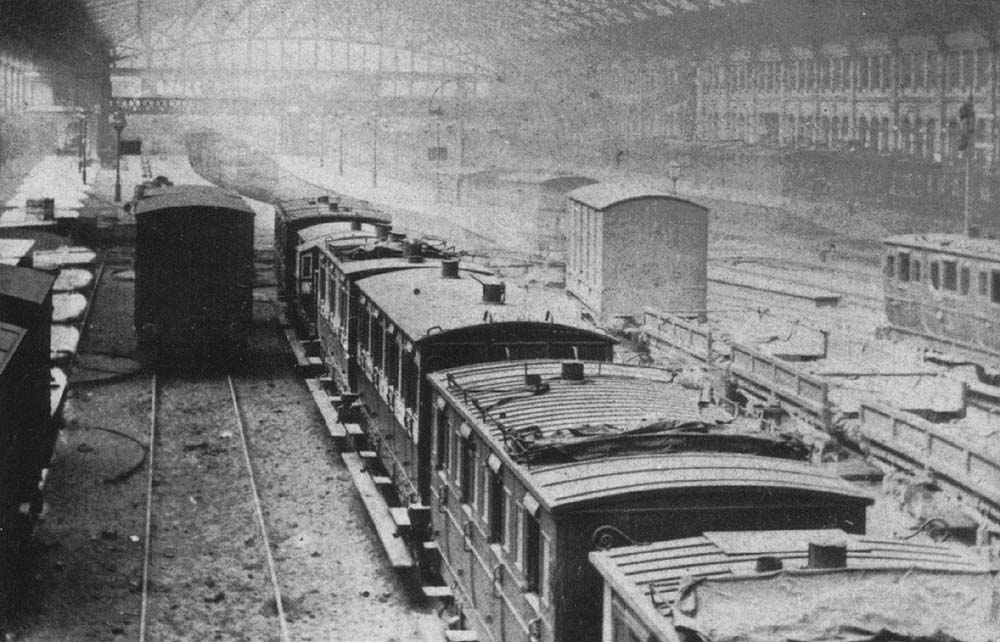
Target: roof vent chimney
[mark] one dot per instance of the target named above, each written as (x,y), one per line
(355,225)
(533,381)
(494,293)
(382,232)
(325,198)
(449,268)
(413,252)
(572,371)
(827,554)
(333,207)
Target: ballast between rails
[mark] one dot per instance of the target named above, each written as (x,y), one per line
(255,496)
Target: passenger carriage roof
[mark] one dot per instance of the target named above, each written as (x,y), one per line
(347,209)
(980,248)
(333,232)
(624,398)
(417,300)
(603,195)
(184,196)
(10,338)
(651,577)
(25,283)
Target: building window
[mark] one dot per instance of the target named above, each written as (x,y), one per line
(306,267)
(995,293)
(984,284)
(950,275)
(890,265)
(963,280)
(904,267)
(935,275)
(915,270)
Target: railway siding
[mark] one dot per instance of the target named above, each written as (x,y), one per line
(907,440)
(203,518)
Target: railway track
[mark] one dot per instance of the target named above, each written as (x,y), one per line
(197,516)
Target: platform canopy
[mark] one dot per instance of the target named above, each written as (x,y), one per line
(482,29)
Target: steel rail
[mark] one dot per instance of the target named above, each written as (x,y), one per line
(272,570)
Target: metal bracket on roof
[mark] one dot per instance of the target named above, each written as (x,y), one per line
(604,537)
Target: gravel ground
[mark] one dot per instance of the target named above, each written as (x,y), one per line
(209,578)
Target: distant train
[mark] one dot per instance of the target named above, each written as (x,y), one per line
(944,287)
(194,275)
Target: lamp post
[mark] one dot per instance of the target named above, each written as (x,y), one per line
(83,144)
(118,122)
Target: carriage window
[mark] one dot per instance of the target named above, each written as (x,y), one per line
(904,267)
(306,267)
(995,294)
(533,553)
(443,435)
(468,473)
(497,506)
(963,280)
(322,283)
(915,271)
(410,381)
(890,265)
(950,275)
(509,532)
(363,338)
(377,342)
(935,275)
(391,360)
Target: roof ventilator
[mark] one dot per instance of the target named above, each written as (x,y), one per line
(572,371)
(449,268)
(397,237)
(355,225)
(769,564)
(823,555)
(382,232)
(333,207)
(494,293)
(325,198)
(413,252)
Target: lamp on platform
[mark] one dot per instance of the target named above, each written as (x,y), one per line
(117,119)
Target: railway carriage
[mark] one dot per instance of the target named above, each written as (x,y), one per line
(737,587)
(293,217)
(342,261)
(537,463)
(194,275)
(414,322)
(944,287)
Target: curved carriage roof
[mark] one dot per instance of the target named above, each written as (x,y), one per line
(601,196)
(418,300)
(303,210)
(163,199)
(332,232)
(10,338)
(498,405)
(957,244)
(651,577)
